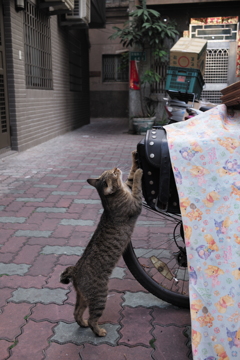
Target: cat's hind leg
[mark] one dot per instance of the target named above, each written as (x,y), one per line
(80,307)
(96,307)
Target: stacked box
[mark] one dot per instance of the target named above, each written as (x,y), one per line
(184,80)
(189,54)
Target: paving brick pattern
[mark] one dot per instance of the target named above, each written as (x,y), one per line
(48,213)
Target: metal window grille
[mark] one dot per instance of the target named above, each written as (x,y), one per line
(75,64)
(161,69)
(3,115)
(37,46)
(114,68)
(216,68)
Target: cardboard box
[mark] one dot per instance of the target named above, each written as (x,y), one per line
(189,53)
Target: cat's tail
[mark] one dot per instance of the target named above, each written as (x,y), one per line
(67,275)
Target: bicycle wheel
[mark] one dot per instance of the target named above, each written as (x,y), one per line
(161,265)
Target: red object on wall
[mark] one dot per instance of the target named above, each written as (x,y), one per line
(134,78)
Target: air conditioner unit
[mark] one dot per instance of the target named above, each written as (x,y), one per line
(82,10)
(61,4)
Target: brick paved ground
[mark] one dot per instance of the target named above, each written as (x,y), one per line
(47,215)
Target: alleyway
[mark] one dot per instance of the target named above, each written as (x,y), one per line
(47,215)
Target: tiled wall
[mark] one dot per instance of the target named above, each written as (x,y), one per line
(38,115)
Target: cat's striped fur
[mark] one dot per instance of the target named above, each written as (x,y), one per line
(122,203)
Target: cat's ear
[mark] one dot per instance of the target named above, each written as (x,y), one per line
(92,182)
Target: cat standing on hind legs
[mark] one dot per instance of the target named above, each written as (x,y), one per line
(122,204)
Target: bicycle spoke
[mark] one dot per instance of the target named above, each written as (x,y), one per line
(164,258)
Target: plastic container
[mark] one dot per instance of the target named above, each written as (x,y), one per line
(184,80)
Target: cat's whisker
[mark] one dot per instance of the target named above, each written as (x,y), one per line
(124,168)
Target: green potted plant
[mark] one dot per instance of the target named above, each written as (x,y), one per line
(147,32)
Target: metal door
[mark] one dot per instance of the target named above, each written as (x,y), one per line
(220,69)
(4,115)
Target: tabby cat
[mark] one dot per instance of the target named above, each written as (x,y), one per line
(122,204)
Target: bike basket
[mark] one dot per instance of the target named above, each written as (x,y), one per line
(184,80)
(158,182)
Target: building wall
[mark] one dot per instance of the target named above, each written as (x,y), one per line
(112,99)
(166,2)
(107,99)
(215,80)
(183,11)
(38,115)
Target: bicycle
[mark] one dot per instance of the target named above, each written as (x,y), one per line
(161,268)
(161,265)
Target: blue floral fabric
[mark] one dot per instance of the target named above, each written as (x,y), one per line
(205,156)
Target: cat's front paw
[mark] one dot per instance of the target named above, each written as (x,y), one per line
(134,156)
(134,161)
(138,174)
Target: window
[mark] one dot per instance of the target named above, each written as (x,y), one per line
(37,47)
(215,32)
(115,68)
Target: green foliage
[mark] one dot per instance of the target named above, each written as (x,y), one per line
(13,345)
(124,61)
(149,77)
(160,54)
(145,29)
(150,106)
(151,343)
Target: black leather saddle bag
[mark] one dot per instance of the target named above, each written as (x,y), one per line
(158,183)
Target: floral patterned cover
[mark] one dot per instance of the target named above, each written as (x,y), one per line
(205,155)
